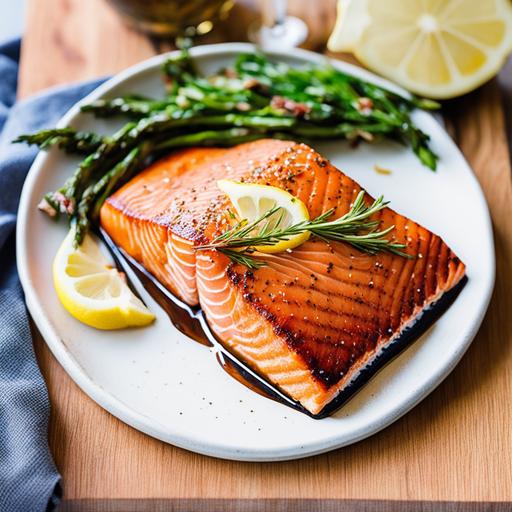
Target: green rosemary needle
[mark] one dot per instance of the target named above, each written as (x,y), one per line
(355,228)
(243,258)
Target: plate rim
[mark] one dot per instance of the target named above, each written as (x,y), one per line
(139,421)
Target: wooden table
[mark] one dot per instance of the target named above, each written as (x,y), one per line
(456,446)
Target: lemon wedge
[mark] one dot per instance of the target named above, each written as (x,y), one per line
(251,201)
(92,290)
(436,48)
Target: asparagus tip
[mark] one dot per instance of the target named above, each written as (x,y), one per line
(427,104)
(428,157)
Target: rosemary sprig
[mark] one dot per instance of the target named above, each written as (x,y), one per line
(243,258)
(355,228)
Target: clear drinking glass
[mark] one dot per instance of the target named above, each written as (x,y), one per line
(171,18)
(277,30)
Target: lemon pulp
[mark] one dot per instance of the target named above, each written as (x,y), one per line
(437,48)
(92,291)
(251,201)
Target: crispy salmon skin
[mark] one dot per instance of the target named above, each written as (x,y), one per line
(311,320)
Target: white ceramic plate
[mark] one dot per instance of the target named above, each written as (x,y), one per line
(170,387)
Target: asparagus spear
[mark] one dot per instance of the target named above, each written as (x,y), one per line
(66,139)
(343,93)
(103,186)
(95,162)
(134,106)
(210,138)
(163,123)
(258,98)
(178,70)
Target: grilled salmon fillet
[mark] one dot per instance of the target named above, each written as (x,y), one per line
(312,321)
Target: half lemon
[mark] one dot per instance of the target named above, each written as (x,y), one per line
(251,201)
(92,290)
(436,48)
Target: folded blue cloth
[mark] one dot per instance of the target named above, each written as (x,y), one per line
(29,481)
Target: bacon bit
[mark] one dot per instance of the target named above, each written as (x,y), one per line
(243,106)
(356,134)
(66,205)
(182,101)
(168,81)
(251,83)
(364,106)
(381,170)
(365,135)
(47,208)
(297,109)
(230,73)
(277,102)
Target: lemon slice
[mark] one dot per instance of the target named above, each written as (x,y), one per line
(436,48)
(251,201)
(92,290)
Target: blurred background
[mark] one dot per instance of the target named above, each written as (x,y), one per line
(12,18)
(271,23)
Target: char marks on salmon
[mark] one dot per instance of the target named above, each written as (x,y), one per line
(311,319)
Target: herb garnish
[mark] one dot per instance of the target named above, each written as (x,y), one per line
(355,228)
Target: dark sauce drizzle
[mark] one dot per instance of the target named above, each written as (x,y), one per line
(192,322)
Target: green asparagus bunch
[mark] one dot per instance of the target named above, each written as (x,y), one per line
(66,139)
(256,98)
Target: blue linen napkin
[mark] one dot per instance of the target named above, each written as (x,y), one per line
(29,481)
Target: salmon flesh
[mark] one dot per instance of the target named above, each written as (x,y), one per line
(315,321)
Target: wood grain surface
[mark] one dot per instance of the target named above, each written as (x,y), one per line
(456,446)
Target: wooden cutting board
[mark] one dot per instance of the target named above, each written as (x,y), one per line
(452,452)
